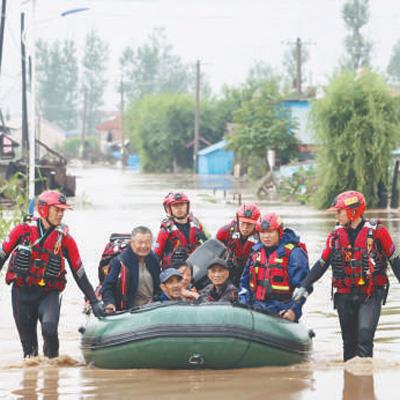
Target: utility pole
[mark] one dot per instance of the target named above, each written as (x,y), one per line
(25,127)
(84,123)
(32,128)
(298,67)
(299,63)
(196,119)
(122,109)
(2,25)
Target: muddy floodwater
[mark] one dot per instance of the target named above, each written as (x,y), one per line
(111,200)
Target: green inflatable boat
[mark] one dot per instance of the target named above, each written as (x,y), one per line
(181,336)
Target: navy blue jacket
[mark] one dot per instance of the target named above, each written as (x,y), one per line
(131,261)
(297,269)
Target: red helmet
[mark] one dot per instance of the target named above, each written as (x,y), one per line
(270,222)
(175,198)
(248,213)
(353,202)
(51,198)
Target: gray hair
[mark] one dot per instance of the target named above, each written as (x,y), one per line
(141,230)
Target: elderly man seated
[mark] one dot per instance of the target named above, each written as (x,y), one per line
(220,288)
(133,278)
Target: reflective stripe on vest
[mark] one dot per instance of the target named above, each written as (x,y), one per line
(269,277)
(177,239)
(46,262)
(352,259)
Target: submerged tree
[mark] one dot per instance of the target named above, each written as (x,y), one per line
(357,124)
(355,15)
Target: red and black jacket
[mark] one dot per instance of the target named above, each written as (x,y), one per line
(269,276)
(239,248)
(170,239)
(38,256)
(355,261)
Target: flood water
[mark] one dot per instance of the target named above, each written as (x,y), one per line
(110,200)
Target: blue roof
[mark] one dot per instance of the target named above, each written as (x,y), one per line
(216,146)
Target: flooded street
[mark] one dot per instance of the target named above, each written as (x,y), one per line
(110,200)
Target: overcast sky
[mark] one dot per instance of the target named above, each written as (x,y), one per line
(228,36)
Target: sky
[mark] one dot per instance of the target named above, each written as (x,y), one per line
(227,36)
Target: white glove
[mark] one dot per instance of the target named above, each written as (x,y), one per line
(299,293)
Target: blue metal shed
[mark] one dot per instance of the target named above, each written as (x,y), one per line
(215,160)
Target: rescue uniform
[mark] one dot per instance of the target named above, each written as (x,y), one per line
(359,259)
(271,274)
(176,240)
(238,249)
(37,272)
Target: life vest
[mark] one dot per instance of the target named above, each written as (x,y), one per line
(177,240)
(351,273)
(38,260)
(239,251)
(269,276)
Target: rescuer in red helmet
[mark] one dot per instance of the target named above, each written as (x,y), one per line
(180,232)
(276,266)
(239,236)
(37,271)
(358,250)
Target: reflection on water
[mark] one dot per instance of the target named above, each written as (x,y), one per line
(358,387)
(114,201)
(290,383)
(39,384)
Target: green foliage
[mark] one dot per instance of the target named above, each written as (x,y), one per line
(13,194)
(357,125)
(154,68)
(57,76)
(261,124)
(393,68)
(72,148)
(161,128)
(94,64)
(301,186)
(355,15)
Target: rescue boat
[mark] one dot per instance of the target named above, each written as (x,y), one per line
(178,335)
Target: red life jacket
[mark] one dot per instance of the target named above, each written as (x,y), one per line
(269,276)
(38,261)
(238,252)
(177,240)
(353,258)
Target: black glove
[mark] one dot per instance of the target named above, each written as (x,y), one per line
(98,309)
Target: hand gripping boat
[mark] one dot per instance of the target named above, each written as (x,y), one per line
(182,336)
